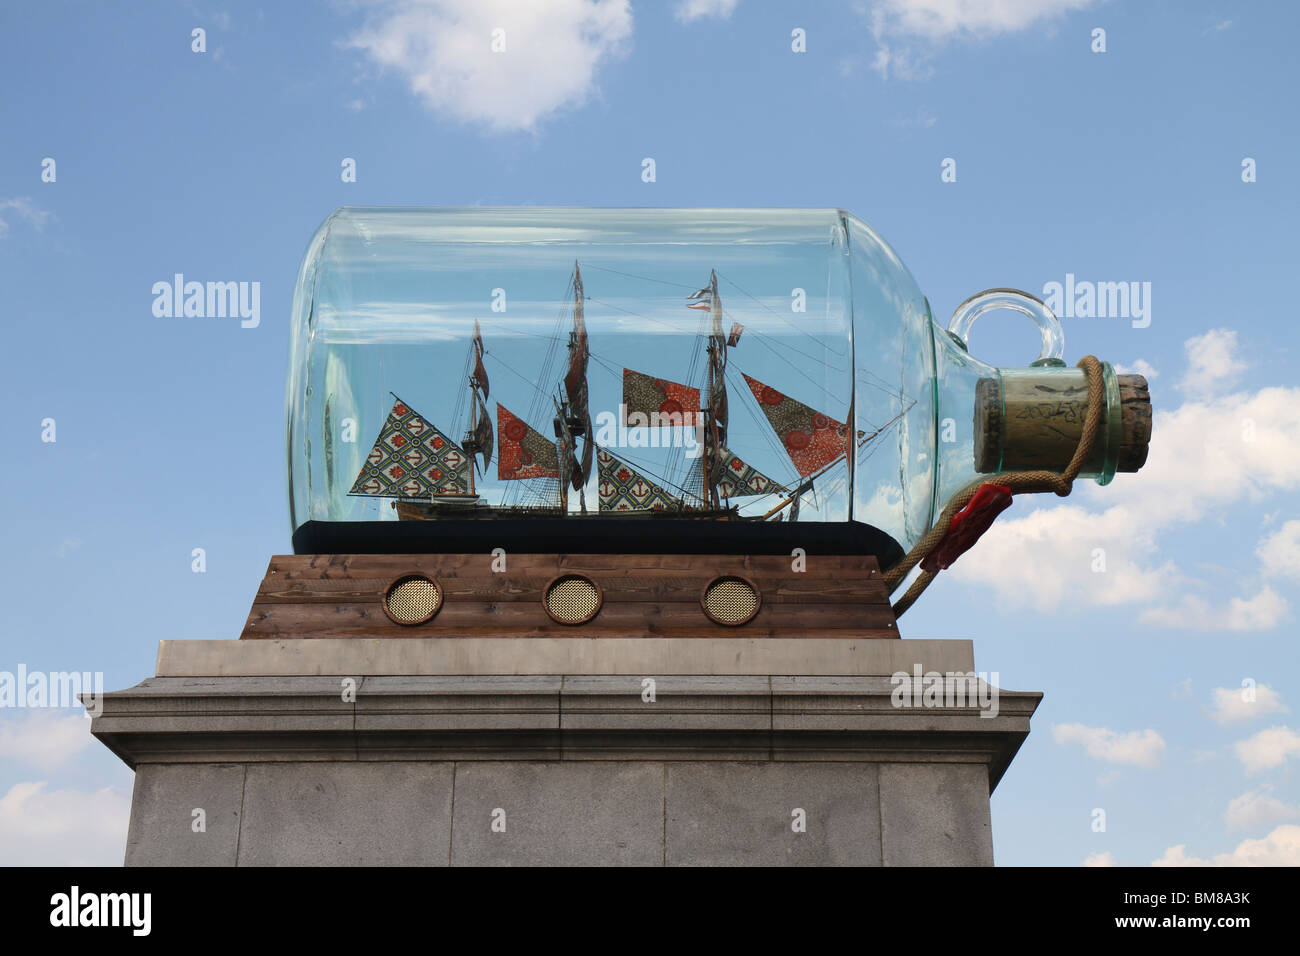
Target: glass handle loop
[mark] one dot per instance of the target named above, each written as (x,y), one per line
(1049,327)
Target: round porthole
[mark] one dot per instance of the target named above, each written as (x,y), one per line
(730,600)
(412,599)
(572,599)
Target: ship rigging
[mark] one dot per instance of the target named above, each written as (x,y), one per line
(433,477)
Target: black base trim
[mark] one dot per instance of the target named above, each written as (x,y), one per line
(593,535)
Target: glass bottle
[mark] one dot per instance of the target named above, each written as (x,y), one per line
(647,380)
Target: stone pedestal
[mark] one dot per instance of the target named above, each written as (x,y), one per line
(558,751)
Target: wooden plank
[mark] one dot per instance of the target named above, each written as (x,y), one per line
(506,616)
(306,596)
(589,631)
(487,588)
(312,567)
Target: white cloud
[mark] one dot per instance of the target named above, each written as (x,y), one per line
(443,49)
(40,827)
(688,11)
(1258,808)
(45,738)
(943,19)
(901,63)
(1060,545)
(26,210)
(67,546)
(1140,748)
(1268,748)
(1230,706)
(908,31)
(1140,366)
(1211,453)
(1266,610)
(1099,859)
(1279,848)
(1206,454)
(1279,553)
(1212,362)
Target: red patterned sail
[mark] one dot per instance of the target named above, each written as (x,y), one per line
(522,451)
(661,402)
(811,439)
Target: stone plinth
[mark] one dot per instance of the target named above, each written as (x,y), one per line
(487,751)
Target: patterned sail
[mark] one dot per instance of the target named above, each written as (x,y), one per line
(412,459)
(624,489)
(738,479)
(662,402)
(811,439)
(522,451)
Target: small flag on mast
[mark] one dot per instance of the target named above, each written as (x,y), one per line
(700,300)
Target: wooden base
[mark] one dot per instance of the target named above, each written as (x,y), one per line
(646,595)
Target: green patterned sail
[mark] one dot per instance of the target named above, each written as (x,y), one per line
(412,459)
(737,479)
(623,488)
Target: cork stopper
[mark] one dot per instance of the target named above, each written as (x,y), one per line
(1033,419)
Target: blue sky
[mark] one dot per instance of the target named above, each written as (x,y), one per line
(1117,166)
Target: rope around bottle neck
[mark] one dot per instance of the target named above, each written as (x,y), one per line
(1019,482)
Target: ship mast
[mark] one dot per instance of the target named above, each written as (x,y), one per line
(478,440)
(715,402)
(572,413)
(566,456)
(473,427)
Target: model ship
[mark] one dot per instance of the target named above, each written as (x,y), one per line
(432,477)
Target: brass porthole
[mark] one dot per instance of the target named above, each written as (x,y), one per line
(412,599)
(572,599)
(730,600)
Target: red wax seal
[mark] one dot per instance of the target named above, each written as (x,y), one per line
(967,526)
